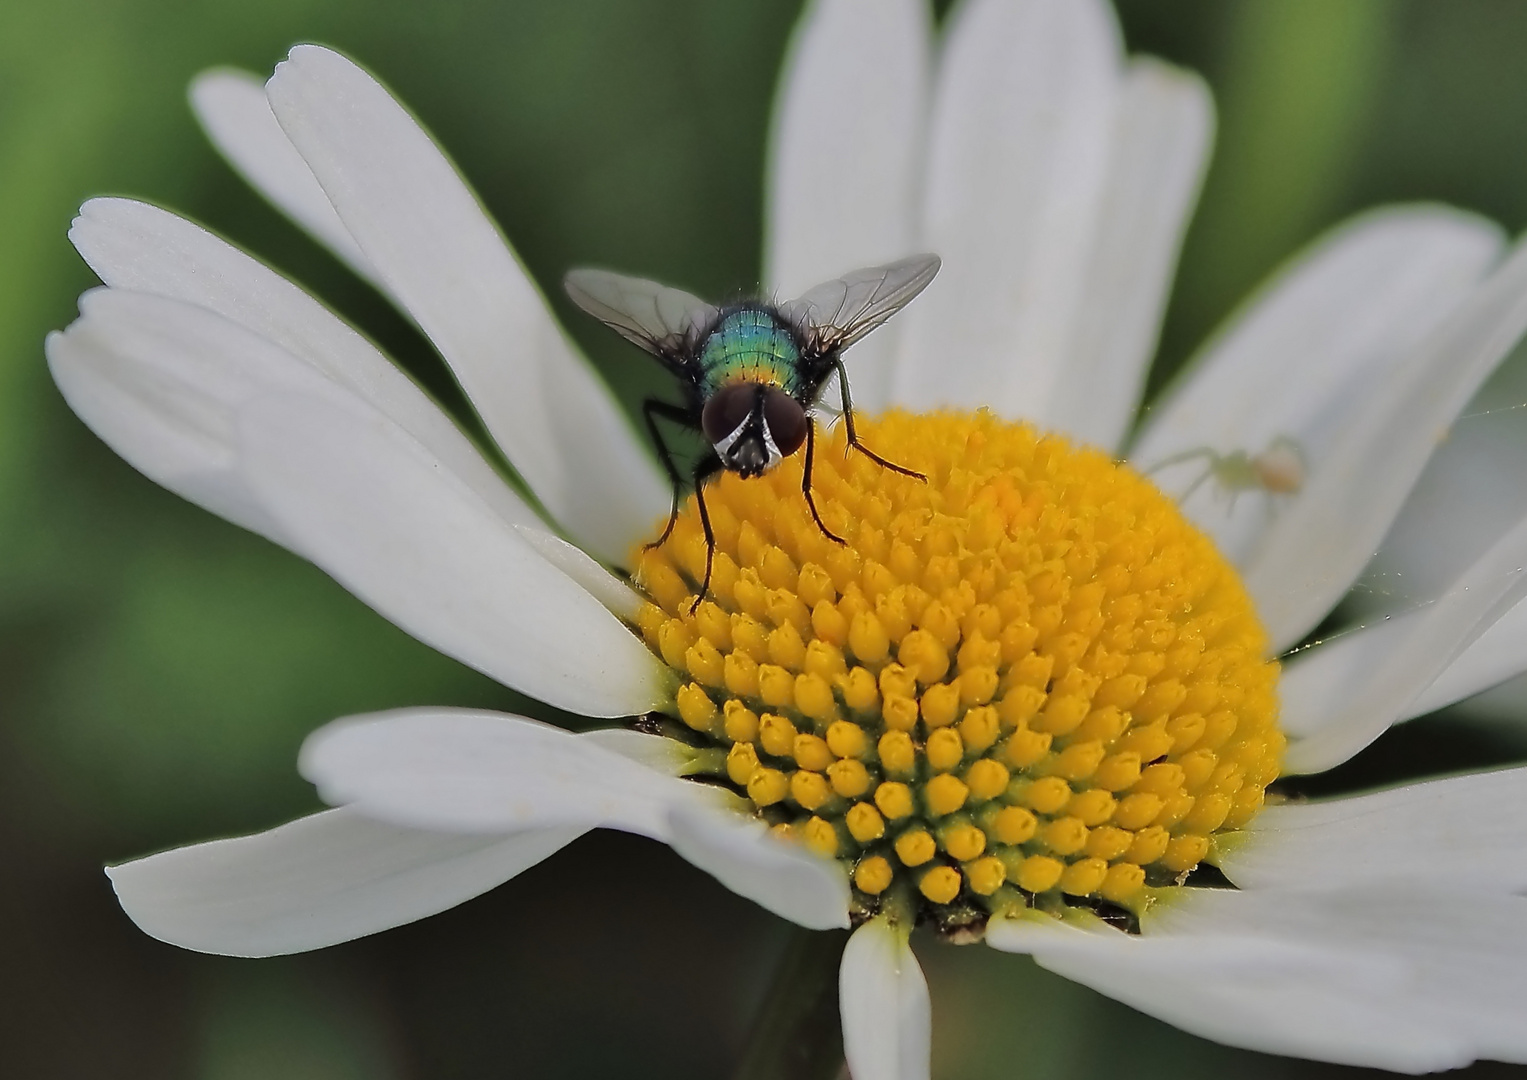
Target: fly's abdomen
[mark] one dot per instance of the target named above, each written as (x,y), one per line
(751,345)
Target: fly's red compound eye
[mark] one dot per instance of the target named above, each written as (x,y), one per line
(726,410)
(786,421)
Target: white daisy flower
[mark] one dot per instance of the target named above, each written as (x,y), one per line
(1023,702)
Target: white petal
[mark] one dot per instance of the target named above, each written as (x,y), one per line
(1160,147)
(1468,497)
(1340,696)
(457,770)
(656,752)
(1023,108)
(1262,994)
(1498,654)
(1408,979)
(846,158)
(1303,360)
(1456,962)
(132,245)
(775,874)
(386,521)
(162,382)
(1465,832)
(1319,543)
(887,1017)
(618,598)
(1339,310)
(444,260)
(316,881)
(236,116)
(1317,683)
(240,426)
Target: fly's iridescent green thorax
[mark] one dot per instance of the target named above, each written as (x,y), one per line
(750,344)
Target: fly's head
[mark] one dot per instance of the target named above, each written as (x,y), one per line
(753,427)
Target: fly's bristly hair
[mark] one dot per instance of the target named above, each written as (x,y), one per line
(711,352)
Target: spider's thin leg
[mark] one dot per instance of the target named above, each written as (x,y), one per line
(811,442)
(652,408)
(853,437)
(1194,486)
(1185,455)
(705,468)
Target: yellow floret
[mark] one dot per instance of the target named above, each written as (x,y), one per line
(1023,676)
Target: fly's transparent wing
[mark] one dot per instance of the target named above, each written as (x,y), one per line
(662,320)
(838,313)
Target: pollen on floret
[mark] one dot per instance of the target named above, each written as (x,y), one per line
(1026,682)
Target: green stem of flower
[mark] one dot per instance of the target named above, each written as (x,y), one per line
(798,1035)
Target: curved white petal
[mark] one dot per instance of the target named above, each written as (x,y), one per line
(236,116)
(386,521)
(846,158)
(1319,543)
(458,770)
(1500,653)
(1468,496)
(1159,150)
(162,382)
(1317,682)
(620,599)
(1340,696)
(1457,961)
(1465,832)
(1301,361)
(656,752)
(1345,307)
(1408,979)
(1260,993)
(887,1017)
(240,426)
(439,254)
(316,881)
(775,874)
(1023,109)
(134,246)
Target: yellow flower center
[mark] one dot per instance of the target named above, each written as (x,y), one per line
(1026,682)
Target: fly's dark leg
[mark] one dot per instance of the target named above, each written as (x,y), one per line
(853,438)
(811,442)
(705,468)
(652,408)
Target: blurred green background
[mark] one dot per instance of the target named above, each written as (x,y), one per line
(160,667)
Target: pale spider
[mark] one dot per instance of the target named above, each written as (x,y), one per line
(1277,470)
